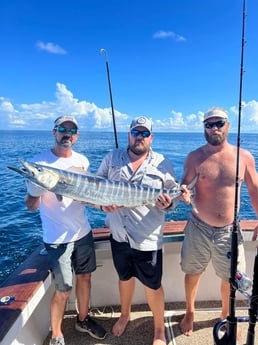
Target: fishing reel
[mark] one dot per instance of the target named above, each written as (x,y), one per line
(225,331)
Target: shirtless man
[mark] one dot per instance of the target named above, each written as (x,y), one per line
(208,232)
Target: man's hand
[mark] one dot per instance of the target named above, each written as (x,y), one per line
(186,195)
(109,209)
(163,201)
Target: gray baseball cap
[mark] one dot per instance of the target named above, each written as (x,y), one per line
(143,122)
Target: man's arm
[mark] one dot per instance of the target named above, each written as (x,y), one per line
(251,181)
(34,192)
(189,169)
(32,202)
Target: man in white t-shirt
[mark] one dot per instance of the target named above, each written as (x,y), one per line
(67,233)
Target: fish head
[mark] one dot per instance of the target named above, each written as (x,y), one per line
(38,174)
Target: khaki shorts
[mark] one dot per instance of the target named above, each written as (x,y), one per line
(204,243)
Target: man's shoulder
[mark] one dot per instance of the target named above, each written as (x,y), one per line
(79,158)
(244,153)
(42,156)
(116,153)
(159,159)
(78,155)
(198,150)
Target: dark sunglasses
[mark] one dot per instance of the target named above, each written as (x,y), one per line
(135,133)
(63,130)
(218,124)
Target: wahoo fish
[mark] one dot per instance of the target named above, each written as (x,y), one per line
(93,189)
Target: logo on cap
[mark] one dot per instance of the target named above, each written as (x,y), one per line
(142,121)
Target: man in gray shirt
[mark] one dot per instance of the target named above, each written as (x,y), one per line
(137,233)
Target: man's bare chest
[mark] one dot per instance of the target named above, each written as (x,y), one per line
(218,168)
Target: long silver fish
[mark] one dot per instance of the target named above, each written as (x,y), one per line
(93,189)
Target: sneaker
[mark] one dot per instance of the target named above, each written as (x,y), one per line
(90,326)
(57,341)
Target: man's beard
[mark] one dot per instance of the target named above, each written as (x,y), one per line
(138,149)
(215,139)
(65,142)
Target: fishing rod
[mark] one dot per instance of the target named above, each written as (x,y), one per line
(253,310)
(110,95)
(230,336)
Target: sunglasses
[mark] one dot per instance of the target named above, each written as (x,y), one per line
(63,130)
(135,133)
(218,124)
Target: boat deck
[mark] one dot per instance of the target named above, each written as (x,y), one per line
(140,329)
(26,320)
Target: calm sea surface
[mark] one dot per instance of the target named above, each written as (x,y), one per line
(20,229)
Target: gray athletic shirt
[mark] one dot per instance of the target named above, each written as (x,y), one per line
(141,226)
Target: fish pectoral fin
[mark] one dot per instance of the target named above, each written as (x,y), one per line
(65,182)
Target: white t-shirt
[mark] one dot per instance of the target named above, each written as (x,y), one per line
(63,221)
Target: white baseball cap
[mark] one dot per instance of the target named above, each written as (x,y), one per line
(65,118)
(215,112)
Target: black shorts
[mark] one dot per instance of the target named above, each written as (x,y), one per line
(144,265)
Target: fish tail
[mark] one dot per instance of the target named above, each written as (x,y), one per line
(190,187)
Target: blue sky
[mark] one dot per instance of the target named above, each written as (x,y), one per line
(170,60)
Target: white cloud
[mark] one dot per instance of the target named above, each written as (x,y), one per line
(41,115)
(6,106)
(51,48)
(168,34)
(178,122)
(248,115)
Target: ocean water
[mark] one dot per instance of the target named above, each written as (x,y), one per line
(20,229)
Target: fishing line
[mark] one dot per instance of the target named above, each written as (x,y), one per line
(103,51)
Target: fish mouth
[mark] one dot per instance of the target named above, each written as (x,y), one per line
(26,170)
(38,174)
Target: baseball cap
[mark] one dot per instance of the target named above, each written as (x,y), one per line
(143,122)
(216,112)
(65,118)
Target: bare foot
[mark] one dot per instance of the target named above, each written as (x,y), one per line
(159,339)
(186,325)
(120,326)
(239,334)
